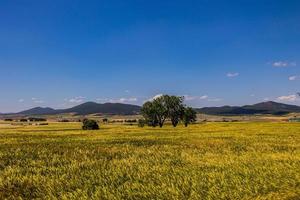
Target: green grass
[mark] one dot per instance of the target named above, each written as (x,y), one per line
(205,161)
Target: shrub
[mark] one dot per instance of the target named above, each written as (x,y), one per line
(131,120)
(23,120)
(64,120)
(141,123)
(105,120)
(8,120)
(43,124)
(89,124)
(34,119)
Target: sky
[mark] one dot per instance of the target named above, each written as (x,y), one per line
(60,53)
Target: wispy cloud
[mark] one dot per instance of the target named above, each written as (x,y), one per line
(124,100)
(102,100)
(154,97)
(232,74)
(36,100)
(21,100)
(203,97)
(293,78)
(78,99)
(194,98)
(132,99)
(288,98)
(283,64)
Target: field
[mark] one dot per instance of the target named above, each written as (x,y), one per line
(242,160)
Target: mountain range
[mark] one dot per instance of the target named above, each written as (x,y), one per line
(269,107)
(87,108)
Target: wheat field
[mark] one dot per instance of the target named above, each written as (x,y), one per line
(249,160)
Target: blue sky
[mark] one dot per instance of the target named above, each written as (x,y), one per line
(60,53)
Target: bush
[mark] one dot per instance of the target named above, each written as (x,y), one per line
(141,123)
(131,120)
(8,120)
(64,120)
(43,124)
(34,119)
(105,120)
(23,120)
(89,124)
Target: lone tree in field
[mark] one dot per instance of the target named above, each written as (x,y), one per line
(158,110)
(161,110)
(175,108)
(89,124)
(149,112)
(189,116)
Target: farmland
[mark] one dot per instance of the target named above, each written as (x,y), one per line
(214,160)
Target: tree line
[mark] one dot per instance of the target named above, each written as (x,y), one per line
(158,110)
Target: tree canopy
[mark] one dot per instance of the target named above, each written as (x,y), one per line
(158,110)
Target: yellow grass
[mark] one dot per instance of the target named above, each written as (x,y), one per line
(204,161)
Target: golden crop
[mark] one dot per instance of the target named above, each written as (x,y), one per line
(205,161)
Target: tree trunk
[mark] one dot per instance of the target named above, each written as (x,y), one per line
(174,124)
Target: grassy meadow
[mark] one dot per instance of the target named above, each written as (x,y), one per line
(244,160)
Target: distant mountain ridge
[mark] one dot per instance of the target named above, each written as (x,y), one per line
(106,108)
(38,111)
(87,108)
(268,107)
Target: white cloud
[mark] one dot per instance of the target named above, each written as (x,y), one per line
(102,100)
(79,99)
(232,74)
(132,99)
(155,97)
(283,64)
(124,100)
(252,95)
(203,97)
(293,78)
(266,99)
(127,91)
(289,98)
(189,98)
(21,100)
(36,100)
(193,98)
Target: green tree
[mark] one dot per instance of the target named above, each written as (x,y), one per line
(189,116)
(160,109)
(175,108)
(149,113)
(141,122)
(89,124)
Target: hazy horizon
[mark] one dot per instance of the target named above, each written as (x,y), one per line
(62,53)
(76,104)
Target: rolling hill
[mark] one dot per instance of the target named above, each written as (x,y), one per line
(38,111)
(269,107)
(106,108)
(87,108)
